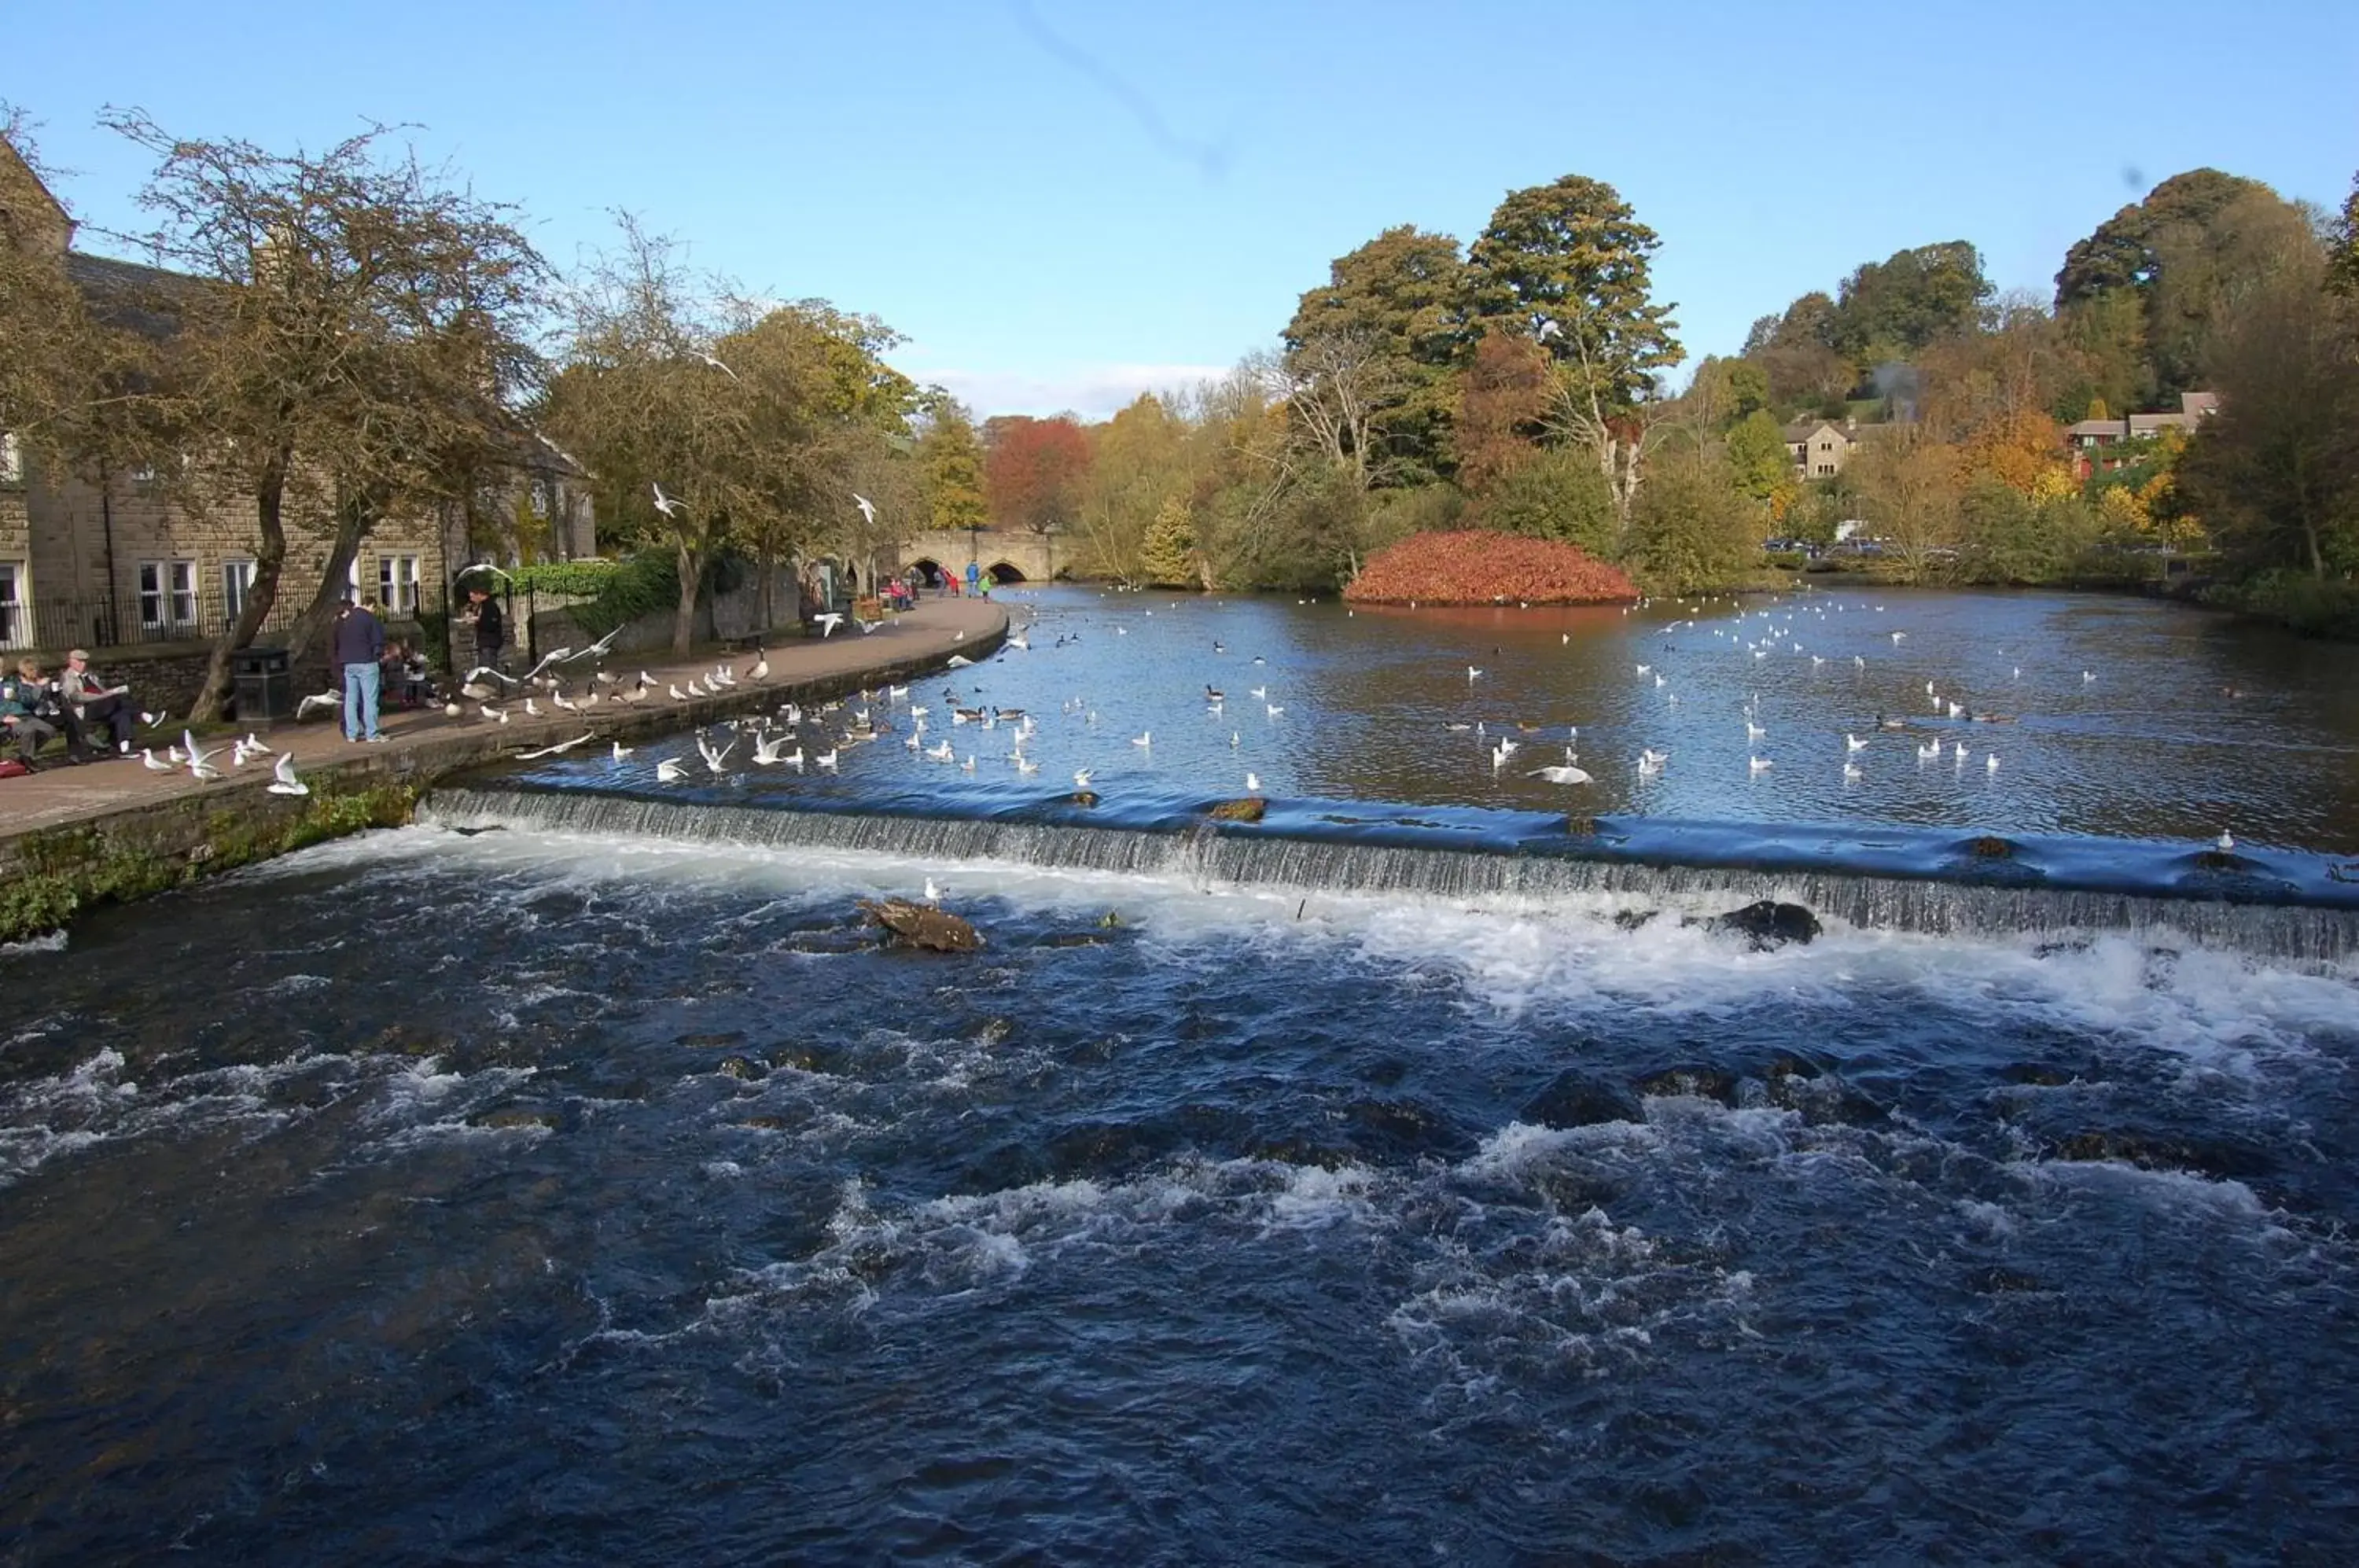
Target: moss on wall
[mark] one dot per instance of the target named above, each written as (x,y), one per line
(62,874)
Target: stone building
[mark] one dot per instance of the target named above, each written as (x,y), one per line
(118,559)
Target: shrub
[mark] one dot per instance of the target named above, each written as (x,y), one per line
(1476,567)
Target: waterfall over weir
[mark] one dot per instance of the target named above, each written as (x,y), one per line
(2284,908)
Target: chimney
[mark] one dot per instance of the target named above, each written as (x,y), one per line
(1850,423)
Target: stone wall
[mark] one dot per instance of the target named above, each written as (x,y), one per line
(83,546)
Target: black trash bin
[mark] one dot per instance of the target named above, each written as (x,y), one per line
(265,686)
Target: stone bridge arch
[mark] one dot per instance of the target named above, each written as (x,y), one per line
(1011,556)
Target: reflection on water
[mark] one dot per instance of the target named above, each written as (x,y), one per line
(2077,714)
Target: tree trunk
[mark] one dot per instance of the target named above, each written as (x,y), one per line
(354,519)
(768,564)
(261,596)
(683,626)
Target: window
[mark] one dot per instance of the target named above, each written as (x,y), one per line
(167,595)
(396,584)
(237,581)
(12,459)
(15,627)
(538,500)
(1826,468)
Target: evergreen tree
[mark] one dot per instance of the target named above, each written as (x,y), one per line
(1169,557)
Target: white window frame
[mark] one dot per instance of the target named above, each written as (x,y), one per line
(396,584)
(16,607)
(12,459)
(167,595)
(237,582)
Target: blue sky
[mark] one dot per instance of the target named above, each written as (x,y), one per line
(1060,204)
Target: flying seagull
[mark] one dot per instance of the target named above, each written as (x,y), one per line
(867,508)
(560,748)
(664,503)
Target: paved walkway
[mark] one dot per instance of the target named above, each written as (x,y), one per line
(418,738)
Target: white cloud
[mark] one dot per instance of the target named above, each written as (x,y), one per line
(1092,391)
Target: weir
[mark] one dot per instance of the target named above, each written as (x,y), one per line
(2283,909)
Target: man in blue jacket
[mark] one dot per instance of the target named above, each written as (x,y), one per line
(354,647)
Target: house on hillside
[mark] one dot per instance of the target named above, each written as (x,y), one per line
(2091,440)
(110,560)
(1821,448)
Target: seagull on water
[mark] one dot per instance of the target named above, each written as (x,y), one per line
(621,751)
(1562,774)
(671,770)
(1853,742)
(1253,783)
(2226,841)
(1081,777)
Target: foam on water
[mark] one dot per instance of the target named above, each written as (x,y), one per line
(1513,954)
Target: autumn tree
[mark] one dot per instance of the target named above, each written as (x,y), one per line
(1908,487)
(647,402)
(1797,355)
(1506,393)
(1889,309)
(827,423)
(348,327)
(2342,251)
(1690,529)
(63,367)
(950,459)
(1567,263)
(1759,464)
(1141,459)
(2276,472)
(1396,299)
(2187,251)
(1033,470)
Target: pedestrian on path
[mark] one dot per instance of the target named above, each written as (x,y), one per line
(491,628)
(355,647)
(974,579)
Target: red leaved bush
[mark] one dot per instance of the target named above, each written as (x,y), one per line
(1478,568)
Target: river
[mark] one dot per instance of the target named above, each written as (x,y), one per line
(567,1194)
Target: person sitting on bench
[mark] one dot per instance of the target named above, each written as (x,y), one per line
(88,702)
(23,696)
